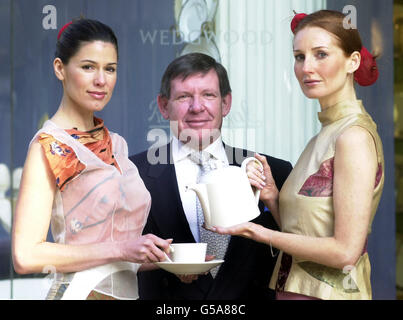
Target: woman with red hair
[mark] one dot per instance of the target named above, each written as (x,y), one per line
(326,206)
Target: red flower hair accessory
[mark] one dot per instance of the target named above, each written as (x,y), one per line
(368,72)
(63,28)
(296,20)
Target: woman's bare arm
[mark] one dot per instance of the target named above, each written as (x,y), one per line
(32,253)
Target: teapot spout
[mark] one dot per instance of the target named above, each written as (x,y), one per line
(201,193)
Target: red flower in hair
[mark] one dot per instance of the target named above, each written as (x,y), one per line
(368,72)
(63,28)
(296,20)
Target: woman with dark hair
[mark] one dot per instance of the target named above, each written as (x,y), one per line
(78,178)
(326,206)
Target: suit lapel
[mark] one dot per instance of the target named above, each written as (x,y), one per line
(170,216)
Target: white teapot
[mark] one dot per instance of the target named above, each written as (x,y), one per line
(226,196)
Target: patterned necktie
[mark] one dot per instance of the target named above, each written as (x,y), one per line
(216,244)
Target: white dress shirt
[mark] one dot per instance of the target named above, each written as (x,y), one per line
(186,174)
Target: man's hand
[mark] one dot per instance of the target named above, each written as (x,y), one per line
(189,278)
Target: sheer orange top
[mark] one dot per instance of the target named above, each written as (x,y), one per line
(63,161)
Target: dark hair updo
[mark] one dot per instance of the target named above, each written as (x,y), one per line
(79,32)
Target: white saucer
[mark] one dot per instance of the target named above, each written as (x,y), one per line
(188,268)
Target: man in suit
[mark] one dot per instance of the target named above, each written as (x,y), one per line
(195,96)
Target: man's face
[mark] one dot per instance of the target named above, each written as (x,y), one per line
(195,108)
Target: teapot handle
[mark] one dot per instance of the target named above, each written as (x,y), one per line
(243,166)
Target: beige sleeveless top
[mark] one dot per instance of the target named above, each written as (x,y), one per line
(100,205)
(306,208)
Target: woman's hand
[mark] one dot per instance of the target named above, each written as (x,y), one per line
(146,249)
(248,230)
(263,180)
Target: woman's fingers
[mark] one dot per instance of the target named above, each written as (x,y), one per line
(154,257)
(269,191)
(156,248)
(158,253)
(256,179)
(161,243)
(266,167)
(222,230)
(261,158)
(242,229)
(255,175)
(254,166)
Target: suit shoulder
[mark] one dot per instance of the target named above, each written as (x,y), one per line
(272,161)
(138,157)
(152,156)
(278,162)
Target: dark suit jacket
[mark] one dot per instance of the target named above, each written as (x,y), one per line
(248,265)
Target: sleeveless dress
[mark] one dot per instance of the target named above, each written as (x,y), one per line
(100,204)
(306,208)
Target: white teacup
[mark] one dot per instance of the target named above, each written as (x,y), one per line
(188,252)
